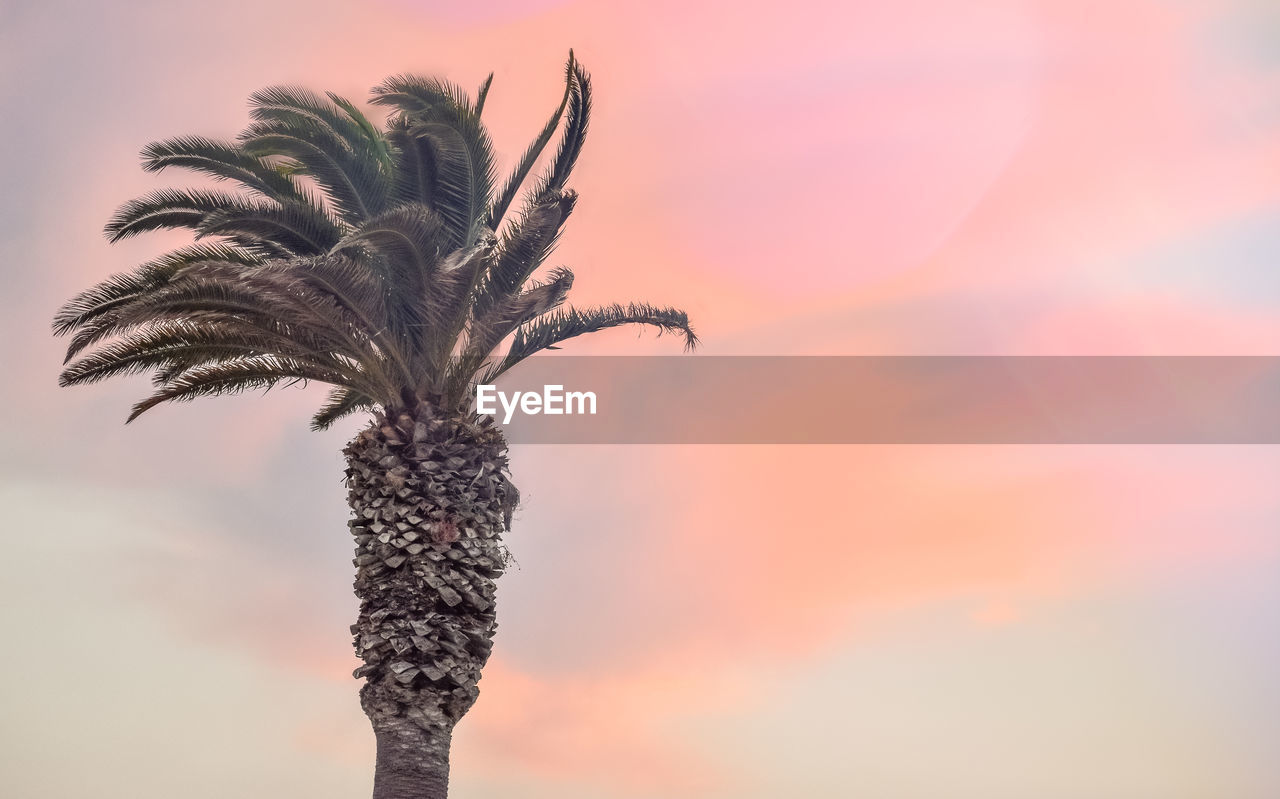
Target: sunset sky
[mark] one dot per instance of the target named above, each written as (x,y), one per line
(1033,177)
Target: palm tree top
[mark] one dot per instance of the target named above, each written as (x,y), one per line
(385,260)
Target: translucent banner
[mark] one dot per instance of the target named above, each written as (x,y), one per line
(693,399)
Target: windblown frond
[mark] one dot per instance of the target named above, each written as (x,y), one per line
(509,190)
(348,283)
(560,326)
(460,275)
(272,304)
(556,176)
(262,226)
(119,289)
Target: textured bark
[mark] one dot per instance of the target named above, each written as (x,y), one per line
(413,761)
(430,498)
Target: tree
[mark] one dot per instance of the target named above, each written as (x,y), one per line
(381,260)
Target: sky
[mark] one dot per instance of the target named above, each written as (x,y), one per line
(1030,177)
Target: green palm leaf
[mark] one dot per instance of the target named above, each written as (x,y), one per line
(440,117)
(223,161)
(334,117)
(355,181)
(167,209)
(295,228)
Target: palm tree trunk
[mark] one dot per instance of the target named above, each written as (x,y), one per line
(430,499)
(413,763)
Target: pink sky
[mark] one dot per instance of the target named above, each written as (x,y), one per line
(1032,177)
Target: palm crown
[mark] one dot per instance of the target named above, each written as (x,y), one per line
(378,260)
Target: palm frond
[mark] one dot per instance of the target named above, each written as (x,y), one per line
(440,116)
(167,209)
(556,176)
(349,283)
(460,274)
(273,304)
(234,377)
(409,239)
(408,248)
(299,109)
(559,326)
(298,229)
(487,332)
(351,307)
(340,402)
(122,288)
(355,181)
(415,164)
(522,250)
(483,93)
(189,343)
(373,137)
(527,161)
(421,96)
(223,161)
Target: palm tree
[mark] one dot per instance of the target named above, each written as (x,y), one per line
(383,261)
